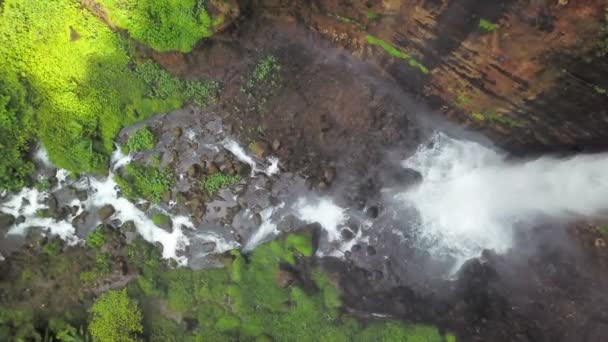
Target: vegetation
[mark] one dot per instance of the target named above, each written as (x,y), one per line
(100,269)
(397,53)
(115,317)
(141,140)
(487,26)
(162,24)
(141,181)
(201,93)
(213,183)
(495,118)
(161,220)
(373,16)
(96,239)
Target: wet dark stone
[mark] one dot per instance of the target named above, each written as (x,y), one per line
(20,219)
(194,171)
(373,212)
(347,234)
(208,247)
(329,175)
(128,226)
(177,132)
(356,248)
(6,221)
(370,250)
(82,195)
(106,212)
(212,168)
(80,219)
(257,219)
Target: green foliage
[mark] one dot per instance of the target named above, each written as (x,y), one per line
(53,248)
(201,93)
(487,26)
(397,53)
(17,325)
(495,118)
(301,243)
(603,229)
(161,220)
(141,140)
(65,332)
(100,269)
(85,87)
(140,181)
(96,239)
(393,331)
(43,185)
(164,25)
(462,101)
(373,16)
(115,317)
(159,82)
(213,183)
(265,67)
(15,132)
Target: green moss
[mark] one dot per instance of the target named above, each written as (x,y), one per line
(17,325)
(53,248)
(43,185)
(487,26)
(213,183)
(462,101)
(397,53)
(603,229)
(140,181)
(373,16)
(164,25)
(301,243)
(161,220)
(100,269)
(96,239)
(201,93)
(141,140)
(495,118)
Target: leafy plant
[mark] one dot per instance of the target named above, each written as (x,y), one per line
(100,269)
(140,181)
(142,139)
(201,93)
(487,26)
(96,239)
(115,317)
(213,183)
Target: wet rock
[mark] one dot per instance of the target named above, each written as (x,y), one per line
(81,219)
(177,132)
(167,196)
(403,177)
(208,247)
(52,204)
(356,248)
(347,234)
(74,210)
(244,170)
(373,212)
(257,219)
(106,212)
(322,186)
(163,222)
(284,278)
(329,175)
(276,145)
(259,148)
(143,206)
(82,195)
(128,226)
(194,171)
(370,250)
(20,219)
(212,168)
(6,221)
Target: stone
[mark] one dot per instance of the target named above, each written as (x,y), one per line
(163,221)
(143,206)
(276,145)
(329,175)
(212,168)
(370,250)
(284,278)
(193,171)
(106,212)
(6,221)
(177,132)
(257,219)
(82,195)
(259,148)
(128,226)
(347,234)
(373,211)
(322,186)
(20,219)
(208,247)
(80,219)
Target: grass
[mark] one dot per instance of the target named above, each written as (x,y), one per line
(141,181)
(396,52)
(213,183)
(487,26)
(143,139)
(164,25)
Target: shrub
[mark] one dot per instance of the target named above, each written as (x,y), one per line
(213,183)
(146,182)
(115,317)
(96,239)
(487,26)
(141,140)
(201,93)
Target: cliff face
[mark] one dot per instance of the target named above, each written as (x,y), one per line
(530,73)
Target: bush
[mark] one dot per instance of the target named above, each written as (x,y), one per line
(141,140)
(201,93)
(115,317)
(213,183)
(96,239)
(164,25)
(140,181)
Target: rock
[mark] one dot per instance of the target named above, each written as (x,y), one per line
(177,132)
(163,222)
(329,175)
(322,186)
(167,196)
(284,278)
(259,148)
(373,212)
(356,248)
(347,234)
(80,219)
(194,171)
(52,204)
(143,206)
(74,210)
(128,226)
(212,168)
(257,219)
(106,212)
(82,195)
(6,221)
(208,247)
(276,145)
(370,250)
(20,219)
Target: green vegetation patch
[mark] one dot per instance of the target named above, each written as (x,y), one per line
(142,139)
(487,26)
(257,297)
(141,181)
(115,317)
(100,269)
(96,239)
(213,183)
(165,25)
(396,52)
(495,118)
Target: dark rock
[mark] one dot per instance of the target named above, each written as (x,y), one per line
(194,171)
(212,168)
(347,234)
(52,204)
(257,219)
(74,210)
(82,195)
(208,247)
(322,186)
(106,212)
(284,278)
(259,148)
(143,206)
(356,248)
(6,221)
(163,222)
(329,175)
(128,226)
(80,219)
(20,219)
(373,212)
(370,250)
(177,132)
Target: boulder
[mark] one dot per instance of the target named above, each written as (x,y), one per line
(276,145)
(284,278)
(194,171)
(259,148)
(106,212)
(6,221)
(163,221)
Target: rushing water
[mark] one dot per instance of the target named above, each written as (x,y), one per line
(472,197)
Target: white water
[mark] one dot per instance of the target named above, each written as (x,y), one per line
(471,197)
(323,211)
